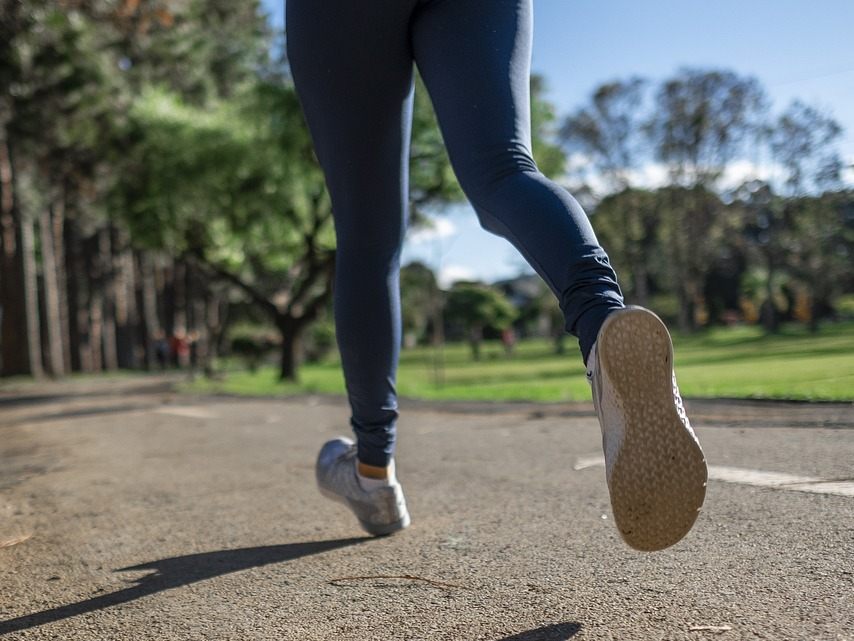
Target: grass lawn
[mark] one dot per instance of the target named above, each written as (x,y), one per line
(738,362)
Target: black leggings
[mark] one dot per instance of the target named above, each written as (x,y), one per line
(352,64)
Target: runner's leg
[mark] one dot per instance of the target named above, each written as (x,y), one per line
(352,67)
(475,57)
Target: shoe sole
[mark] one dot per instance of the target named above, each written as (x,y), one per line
(370,528)
(658,480)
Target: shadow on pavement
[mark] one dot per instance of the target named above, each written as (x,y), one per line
(176,572)
(556,632)
(13,399)
(119,408)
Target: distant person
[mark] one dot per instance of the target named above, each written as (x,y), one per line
(161,349)
(508,340)
(180,349)
(352,64)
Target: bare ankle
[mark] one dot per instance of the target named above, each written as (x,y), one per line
(373,471)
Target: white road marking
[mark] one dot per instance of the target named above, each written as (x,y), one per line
(837,488)
(186,411)
(756,478)
(596,460)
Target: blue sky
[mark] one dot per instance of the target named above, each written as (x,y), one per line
(795,48)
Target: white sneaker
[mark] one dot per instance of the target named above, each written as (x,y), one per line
(380,511)
(655,469)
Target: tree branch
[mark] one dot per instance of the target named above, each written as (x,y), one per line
(318,265)
(223,274)
(313,307)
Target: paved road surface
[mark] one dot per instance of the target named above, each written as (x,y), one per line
(130,512)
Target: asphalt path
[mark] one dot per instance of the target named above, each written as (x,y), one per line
(128,511)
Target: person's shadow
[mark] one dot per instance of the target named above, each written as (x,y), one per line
(176,572)
(554,632)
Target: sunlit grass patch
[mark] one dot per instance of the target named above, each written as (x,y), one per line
(740,362)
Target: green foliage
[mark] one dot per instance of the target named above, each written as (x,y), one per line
(548,155)
(249,204)
(821,242)
(475,307)
(199,49)
(320,341)
(252,349)
(629,225)
(845,306)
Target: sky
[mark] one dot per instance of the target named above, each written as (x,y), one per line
(795,48)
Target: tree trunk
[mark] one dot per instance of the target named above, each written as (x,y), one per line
(475,338)
(815,312)
(223,318)
(179,285)
(75,270)
(108,307)
(93,317)
(51,295)
(291,332)
(768,310)
(61,279)
(438,338)
(14,358)
(96,331)
(212,332)
(31,296)
(127,319)
(151,327)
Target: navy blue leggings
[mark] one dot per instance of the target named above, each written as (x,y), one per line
(352,64)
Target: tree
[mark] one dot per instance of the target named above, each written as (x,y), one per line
(199,49)
(609,130)
(803,141)
(419,293)
(255,215)
(55,106)
(765,228)
(695,224)
(543,314)
(700,122)
(629,224)
(475,307)
(822,247)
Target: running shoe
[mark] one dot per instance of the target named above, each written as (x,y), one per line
(655,468)
(380,511)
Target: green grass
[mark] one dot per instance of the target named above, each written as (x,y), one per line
(737,362)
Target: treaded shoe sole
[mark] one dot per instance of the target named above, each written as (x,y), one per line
(658,480)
